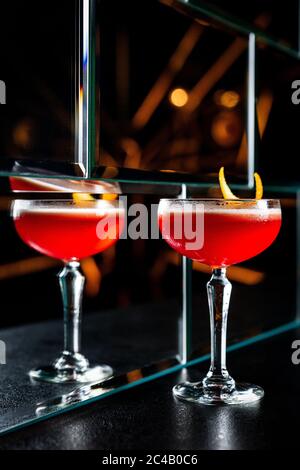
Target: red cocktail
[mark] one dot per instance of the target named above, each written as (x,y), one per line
(230,235)
(219,233)
(70,231)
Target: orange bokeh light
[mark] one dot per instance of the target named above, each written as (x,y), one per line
(179,97)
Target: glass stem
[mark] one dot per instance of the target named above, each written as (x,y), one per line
(219,288)
(72,283)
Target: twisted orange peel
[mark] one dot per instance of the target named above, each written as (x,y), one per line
(228,194)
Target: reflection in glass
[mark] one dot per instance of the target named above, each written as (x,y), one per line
(231,232)
(70,231)
(20,184)
(107,387)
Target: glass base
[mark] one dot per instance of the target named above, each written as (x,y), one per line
(71,368)
(54,375)
(195,392)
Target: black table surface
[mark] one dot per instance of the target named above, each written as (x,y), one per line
(148,417)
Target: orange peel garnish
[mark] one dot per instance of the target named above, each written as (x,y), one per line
(109,197)
(259,186)
(226,191)
(228,194)
(82,197)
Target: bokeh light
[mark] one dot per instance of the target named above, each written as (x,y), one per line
(228,99)
(179,97)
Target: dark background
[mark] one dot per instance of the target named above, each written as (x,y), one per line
(37,55)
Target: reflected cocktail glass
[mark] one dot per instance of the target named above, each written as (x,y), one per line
(219,233)
(70,231)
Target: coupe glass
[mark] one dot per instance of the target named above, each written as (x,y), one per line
(219,233)
(69,231)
